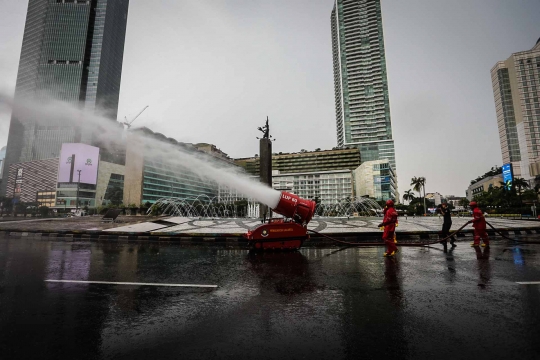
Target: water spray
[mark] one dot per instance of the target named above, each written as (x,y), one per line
(280,233)
(206,167)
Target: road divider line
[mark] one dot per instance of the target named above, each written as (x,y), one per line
(528,282)
(129,283)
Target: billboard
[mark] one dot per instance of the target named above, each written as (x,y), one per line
(381,179)
(508,176)
(74,157)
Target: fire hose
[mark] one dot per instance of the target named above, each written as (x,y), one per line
(515,240)
(378,243)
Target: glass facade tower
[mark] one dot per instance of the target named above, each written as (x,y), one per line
(360,82)
(516,90)
(72,51)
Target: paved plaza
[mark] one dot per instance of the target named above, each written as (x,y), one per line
(171,226)
(181,225)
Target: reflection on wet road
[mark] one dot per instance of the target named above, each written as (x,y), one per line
(316,303)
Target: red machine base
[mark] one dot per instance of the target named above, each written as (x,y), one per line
(277,234)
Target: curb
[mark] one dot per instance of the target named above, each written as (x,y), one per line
(236,239)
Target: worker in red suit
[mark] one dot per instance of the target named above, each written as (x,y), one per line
(389,224)
(479,225)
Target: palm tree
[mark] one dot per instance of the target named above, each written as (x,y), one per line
(419,183)
(520,184)
(408,196)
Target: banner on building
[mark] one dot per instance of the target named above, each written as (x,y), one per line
(508,176)
(75,157)
(382,179)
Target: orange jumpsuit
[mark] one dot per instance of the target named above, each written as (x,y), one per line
(479,225)
(389,223)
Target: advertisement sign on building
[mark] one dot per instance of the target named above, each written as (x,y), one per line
(508,176)
(74,157)
(18,181)
(381,179)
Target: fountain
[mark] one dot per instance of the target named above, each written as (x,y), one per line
(219,207)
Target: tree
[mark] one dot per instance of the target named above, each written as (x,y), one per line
(6,204)
(401,207)
(20,207)
(416,206)
(116,195)
(530,195)
(44,211)
(408,196)
(419,183)
(520,184)
(464,202)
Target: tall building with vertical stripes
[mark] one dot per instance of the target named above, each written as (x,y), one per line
(516,89)
(360,81)
(72,51)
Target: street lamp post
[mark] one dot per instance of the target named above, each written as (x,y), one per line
(78,182)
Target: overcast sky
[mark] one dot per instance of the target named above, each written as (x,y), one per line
(212,70)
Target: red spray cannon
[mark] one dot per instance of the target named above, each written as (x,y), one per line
(294,207)
(288,233)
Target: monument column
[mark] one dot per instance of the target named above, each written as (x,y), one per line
(265,168)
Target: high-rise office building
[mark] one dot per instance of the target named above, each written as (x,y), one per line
(72,51)
(376,179)
(2,156)
(360,83)
(516,88)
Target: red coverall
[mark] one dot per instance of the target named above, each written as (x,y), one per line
(479,225)
(389,223)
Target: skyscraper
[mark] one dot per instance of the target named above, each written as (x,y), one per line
(72,51)
(360,83)
(2,156)
(516,88)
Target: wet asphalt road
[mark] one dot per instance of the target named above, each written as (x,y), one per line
(312,304)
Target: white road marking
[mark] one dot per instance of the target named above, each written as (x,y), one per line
(528,282)
(130,283)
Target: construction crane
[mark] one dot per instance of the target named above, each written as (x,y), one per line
(128,124)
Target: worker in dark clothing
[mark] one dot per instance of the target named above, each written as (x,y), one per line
(447,224)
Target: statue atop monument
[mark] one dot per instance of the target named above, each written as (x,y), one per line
(265,130)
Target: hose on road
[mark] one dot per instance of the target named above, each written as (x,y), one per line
(515,240)
(379,243)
